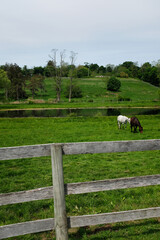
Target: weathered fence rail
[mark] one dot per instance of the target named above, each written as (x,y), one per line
(79,148)
(79,188)
(59,189)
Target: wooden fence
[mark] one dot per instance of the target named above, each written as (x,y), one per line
(61,222)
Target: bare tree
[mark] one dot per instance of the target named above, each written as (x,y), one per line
(73,59)
(58,72)
(54,56)
(59,76)
(87,65)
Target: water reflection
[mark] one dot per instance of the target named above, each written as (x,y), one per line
(79,112)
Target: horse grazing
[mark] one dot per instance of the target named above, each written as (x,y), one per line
(122,120)
(135,123)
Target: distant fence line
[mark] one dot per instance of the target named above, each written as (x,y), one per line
(61,222)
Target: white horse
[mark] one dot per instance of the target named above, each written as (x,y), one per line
(122,120)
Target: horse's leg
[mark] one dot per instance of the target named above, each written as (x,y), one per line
(135,129)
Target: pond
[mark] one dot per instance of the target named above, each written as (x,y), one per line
(79,112)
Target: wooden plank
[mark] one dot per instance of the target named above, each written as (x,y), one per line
(59,195)
(25,152)
(78,221)
(79,148)
(110,146)
(26,196)
(105,218)
(79,188)
(112,184)
(18,229)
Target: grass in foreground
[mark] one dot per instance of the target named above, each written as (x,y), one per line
(29,131)
(17,175)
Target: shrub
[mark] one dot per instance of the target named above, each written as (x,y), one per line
(76,91)
(123,75)
(113,84)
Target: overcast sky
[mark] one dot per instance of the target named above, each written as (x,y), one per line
(99,31)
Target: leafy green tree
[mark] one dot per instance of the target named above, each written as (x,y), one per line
(50,70)
(27,72)
(158,70)
(113,84)
(38,70)
(82,71)
(4,82)
(123,75)
(129,68)
(121,71)
(109,69)
(36,83)
(94,67)
(149,73)
(128,64)
(102,70)
(17,87)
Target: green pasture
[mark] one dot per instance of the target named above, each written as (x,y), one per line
(29,131)
(95,94)
(25,174)
(95,89)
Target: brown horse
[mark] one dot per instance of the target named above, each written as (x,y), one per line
(135,123)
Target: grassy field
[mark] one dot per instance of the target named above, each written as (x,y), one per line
(28,131)
(25,174)
(94,95)
(95,89)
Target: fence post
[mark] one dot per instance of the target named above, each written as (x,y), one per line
(59,195)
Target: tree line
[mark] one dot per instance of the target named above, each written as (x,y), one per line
(14,80)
